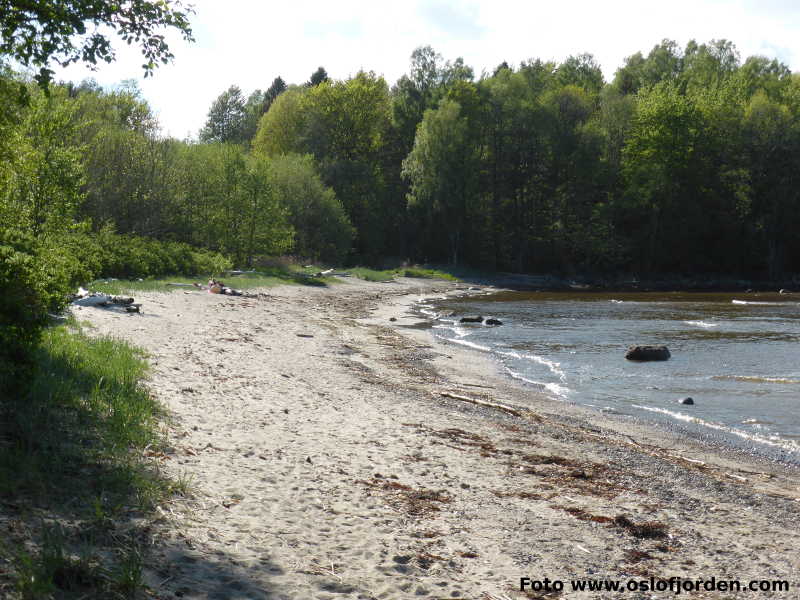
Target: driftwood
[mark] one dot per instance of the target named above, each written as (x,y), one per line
(86,298)
(495,405)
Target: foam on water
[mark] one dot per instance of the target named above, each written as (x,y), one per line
(558,390)
(754,303)
(771,440)
(755,379)
(471,345)
(552,365)
(703,324)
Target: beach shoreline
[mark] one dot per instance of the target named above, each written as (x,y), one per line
(337,453)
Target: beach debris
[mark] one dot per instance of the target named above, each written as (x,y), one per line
(415,502)
(647,353)
(494,405)
(493,322)
(97,299)
(688,401)
(478,319)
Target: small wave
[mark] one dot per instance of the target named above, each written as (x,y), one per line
(772,440)
(556,389)
(552,365)
(755,379)
(617,301)
(753,303)
(702,324)
(471,345)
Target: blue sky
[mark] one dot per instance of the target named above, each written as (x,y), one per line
(250,42)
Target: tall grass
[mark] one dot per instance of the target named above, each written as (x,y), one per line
(74,467)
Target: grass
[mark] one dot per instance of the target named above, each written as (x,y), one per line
(267,277)
(390,274)
(75,476)
(264,277)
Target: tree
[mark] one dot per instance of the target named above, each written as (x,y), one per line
(583,71)
(772,141)
(227,118)
(42,32)
(442,169)
(317,77)
(276,88)
(282,128)
(322,229)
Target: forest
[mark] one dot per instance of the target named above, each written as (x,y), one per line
(683,165)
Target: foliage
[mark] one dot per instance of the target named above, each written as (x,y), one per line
(323,231)
(227,118)
(36,34)
(442,169)
(76,445)
(317,77)
(281,129)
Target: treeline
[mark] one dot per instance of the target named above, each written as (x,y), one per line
(684,164)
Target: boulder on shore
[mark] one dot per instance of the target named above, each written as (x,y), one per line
(644,353)
(478,319)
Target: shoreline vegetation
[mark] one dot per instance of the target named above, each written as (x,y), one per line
(79,470)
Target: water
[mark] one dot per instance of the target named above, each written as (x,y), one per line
(737,356)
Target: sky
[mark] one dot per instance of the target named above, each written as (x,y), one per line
(250,42)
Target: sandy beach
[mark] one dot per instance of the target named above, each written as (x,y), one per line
(336,451)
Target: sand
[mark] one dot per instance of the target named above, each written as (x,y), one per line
(325,463)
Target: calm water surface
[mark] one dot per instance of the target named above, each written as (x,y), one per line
(737,356)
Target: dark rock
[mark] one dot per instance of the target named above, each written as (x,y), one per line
(647,353)
(493,322)
(478,319)
(392,319)
(686,401)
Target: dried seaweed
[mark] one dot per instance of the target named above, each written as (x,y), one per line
(415,502)
(646,530)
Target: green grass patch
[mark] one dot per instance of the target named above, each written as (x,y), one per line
(76,471)
(265,277)
(390,274)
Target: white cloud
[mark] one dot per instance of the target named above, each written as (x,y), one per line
(250,42)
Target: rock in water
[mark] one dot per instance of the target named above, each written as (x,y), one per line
(686,401)
(478,319)
(493,322)
(644,353)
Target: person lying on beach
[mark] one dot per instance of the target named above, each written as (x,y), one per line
(217,287)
